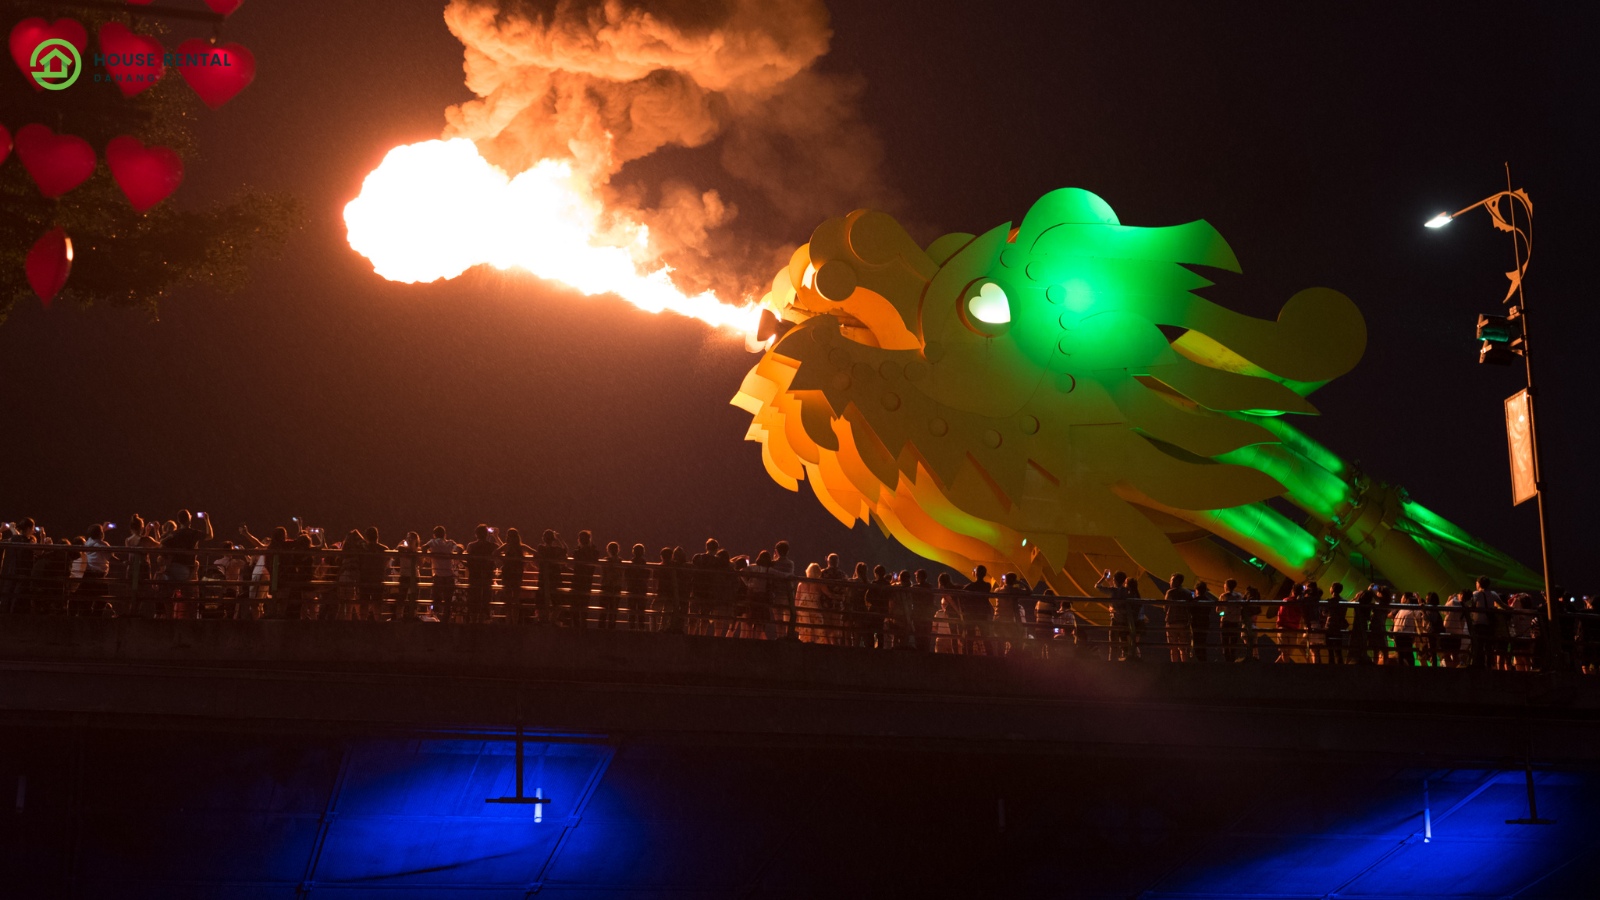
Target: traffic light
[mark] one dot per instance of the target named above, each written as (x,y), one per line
(1502,338)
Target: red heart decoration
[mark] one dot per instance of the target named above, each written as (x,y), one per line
(224,7)
(134,60)
(30,32)
(5,143)
(215,73)
(57,162)
(49,263)
(147,175)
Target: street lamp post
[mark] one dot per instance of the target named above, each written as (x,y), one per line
(1502,209)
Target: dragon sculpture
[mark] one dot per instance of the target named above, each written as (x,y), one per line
(1011,399)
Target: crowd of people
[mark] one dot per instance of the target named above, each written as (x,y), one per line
(184,568)
(1377,625)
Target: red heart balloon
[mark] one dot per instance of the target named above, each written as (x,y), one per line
(5,143)
(215,73)
(224,7)
(147,175)
(57,162)
(29,33)
(49,263)
(134,60)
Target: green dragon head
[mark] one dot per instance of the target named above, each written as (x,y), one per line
(1013,399)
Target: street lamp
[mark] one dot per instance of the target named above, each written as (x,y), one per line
(1513,330)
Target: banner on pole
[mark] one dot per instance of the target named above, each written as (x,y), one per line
(1519,439)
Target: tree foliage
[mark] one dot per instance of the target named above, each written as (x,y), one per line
(123,258)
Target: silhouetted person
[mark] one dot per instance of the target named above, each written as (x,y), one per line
(374,572)
(610,584)
(480,574)
(1482,605)
(1009,613)
(299,570)
(782,588)
(833,602)
(1290,626)
(978,612)
(1251,618)
(406,555)
(666,597)
(1433,628)
(348,591)
(921,604)
(1202,616)
(584,559)
(1407,625)
(1334,623)
(1180,618)
(180,547)
(757,606)
(552,554)
(1124,615)
(441,554)
(1311,616)
(1361,624)
(636,577)
(879,594)
(514,556)
(1231,607)
(703,587)
(725,590)
(1378,625)
(857,614)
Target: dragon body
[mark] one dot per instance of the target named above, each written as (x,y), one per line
(1011,398)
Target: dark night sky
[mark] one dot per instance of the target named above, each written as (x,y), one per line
(1316,137)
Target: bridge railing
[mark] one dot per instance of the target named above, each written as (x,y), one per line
(323,584)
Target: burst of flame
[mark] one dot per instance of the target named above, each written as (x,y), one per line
(435,209)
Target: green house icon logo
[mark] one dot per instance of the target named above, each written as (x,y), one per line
(55,64)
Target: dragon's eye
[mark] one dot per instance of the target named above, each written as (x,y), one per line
(989,305)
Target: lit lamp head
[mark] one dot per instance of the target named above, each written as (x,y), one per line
(1439,221)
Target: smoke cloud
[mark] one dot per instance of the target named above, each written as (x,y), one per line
(603,84)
